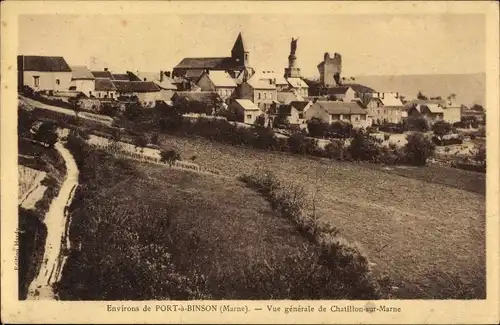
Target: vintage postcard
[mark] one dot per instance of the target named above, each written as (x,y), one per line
(278,162)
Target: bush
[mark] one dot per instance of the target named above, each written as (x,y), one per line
(335,150)
(169,156)
(441,128)
(317,128)
(418,149)
(47,133)
(299,144)
(419,124)
(364,147)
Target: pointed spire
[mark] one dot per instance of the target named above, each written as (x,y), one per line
(239,45)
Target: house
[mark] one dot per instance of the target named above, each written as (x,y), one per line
(162,80)
(218,81)
(344,93)
(105,74)
(286,97)
(386,108)
(435,109)
(196,101)
(269,75)
(330,111)
(479,115)
(294,112)
(299,86)
(43,73)
(82,80)
(246,111)
(262,92)
(239,62)
(104,88)
(146,91)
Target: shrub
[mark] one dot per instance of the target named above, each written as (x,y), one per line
(25,121)
(317,128)
(299,144)
(169,156)
(480,155)
(335,150)
(260,120)
(418,149)
(155,138)
(77,146)
(141,142)
(387,137)
(47,133)
(417,124)
(364,147)
(441,128)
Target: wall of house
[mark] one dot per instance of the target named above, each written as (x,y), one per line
(263,98)
(359,121)
(205,83)
(149,99)
(452,114)
(166,94)
(317,112)
(225,92)
(47,80)
(250,116)
(104,94)
(85,86)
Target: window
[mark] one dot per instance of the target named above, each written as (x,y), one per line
(99,95)
(111,94)
(36,81)
(301,115)
(58,82)
(265,95)
(249,116)
(258,95)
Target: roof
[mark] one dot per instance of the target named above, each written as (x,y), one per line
(135,86)
(338,90)
(205,63)
(221,79)
(286,97)
(81,73)
(360,88)
(42,63)
(389,101)
(334,107)
(167,83)
(247,104)
(201,96)
(102,74)
(297,83)
(103,84)
(257,83)
(434,108)
(239,45)
(121,76)
(271,75)
(299,105)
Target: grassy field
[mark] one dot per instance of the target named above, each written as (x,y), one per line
(144,231)
(424,227)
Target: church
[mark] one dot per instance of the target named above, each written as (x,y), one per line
(237,65)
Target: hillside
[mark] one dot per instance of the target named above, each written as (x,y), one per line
(470,88)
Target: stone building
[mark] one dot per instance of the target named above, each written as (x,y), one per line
(330,70)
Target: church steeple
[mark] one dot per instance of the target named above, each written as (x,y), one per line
(239,53)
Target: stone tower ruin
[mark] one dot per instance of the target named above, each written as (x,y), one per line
(330,70)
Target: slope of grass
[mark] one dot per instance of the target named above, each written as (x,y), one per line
(143,231)
(428,237)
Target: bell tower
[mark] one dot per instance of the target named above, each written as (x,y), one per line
(239,53)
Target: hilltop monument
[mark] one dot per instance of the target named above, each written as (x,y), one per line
(292,71)
(330,70)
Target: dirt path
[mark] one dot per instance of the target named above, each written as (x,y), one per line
(55,220)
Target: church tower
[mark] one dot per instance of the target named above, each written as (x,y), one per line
(239,53)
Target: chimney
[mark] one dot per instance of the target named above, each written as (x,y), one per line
(383,94)
(105,69)
(161,76)
(397,95)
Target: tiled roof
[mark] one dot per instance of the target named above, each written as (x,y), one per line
(334,107)
(221,79)
(297,83)
(42,63)
(121,76)
(434,108)
(271,75)
(81,73)
(247,105)
(102,74)
(201,96)
(103,84)
(206,63)
(167,83)
(360,88)
(390,101)
(257,83)
(338,90)
(135,86)
(299,105)
(286,97)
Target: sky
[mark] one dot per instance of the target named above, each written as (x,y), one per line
(369,44)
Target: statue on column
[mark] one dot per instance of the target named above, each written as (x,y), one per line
(293,46)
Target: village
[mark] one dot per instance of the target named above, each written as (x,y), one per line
(199,173)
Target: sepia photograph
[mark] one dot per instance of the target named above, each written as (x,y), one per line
(205,157)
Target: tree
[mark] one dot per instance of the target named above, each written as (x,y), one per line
(364,147)
(317,128)
(169,156)
(260,120)
(47,133)
(477,108)
(281,121)
(480,155)
(421,96)
(154,138)
(441,128)
(418,123)
(418,149)
(25,121)
(133,111)
(301,145)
